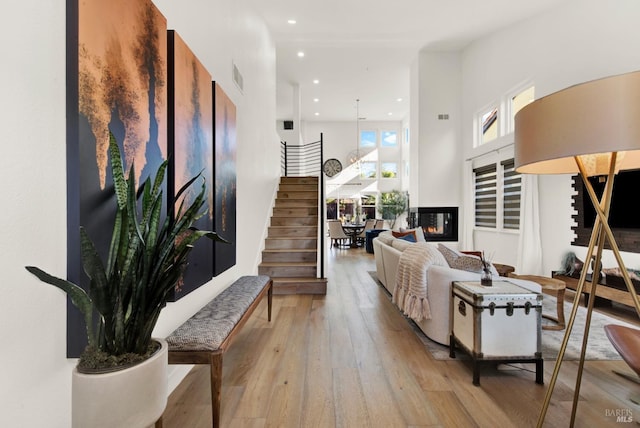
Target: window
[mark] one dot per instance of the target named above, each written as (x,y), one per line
(332,208)
(491,187)
(368,170)
(389,170)
(497,120)
(368,139)
(347,208)
(485,196)
(389,139)
(520,100)
(489,126)
(368,202)
(511,190)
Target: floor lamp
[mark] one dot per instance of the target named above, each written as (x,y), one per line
(592,129)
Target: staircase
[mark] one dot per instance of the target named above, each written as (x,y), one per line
(291,248)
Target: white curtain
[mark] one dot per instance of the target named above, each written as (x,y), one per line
(529,244)
(468,214)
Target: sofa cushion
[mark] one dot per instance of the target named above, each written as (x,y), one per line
(386,237)
(400,244)
(409,235)
(419,233)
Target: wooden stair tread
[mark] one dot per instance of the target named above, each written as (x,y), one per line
(285,203)
(290,250)
(291,237)
(294,215)
(278,264)
(295,226)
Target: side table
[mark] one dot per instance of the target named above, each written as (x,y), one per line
(549,286)
(503,270)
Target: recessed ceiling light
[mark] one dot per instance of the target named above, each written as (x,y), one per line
(317,114)
(390,114)
(300,54)
(316,81)
(315,100)
(291,21)
(399,100)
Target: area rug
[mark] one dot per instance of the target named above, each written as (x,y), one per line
(598,347)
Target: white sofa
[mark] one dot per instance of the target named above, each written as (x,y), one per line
(387,250)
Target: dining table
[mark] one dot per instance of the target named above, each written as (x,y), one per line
(352,230)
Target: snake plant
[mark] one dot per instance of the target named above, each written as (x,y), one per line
(147,257)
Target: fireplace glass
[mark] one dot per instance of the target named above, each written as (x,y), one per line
(437,223)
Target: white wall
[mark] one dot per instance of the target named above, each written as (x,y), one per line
(580,41)
(35,389)
(414,131)
(36,380)
(440,144)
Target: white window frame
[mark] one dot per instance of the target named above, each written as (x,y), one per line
(508,174)
(478,135)
(490,168)
(500,178)
(508,105)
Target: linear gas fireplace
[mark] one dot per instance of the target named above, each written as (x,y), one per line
(437,223)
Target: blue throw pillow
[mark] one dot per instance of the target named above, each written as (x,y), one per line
(408,237)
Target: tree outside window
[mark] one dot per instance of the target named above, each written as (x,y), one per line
(392,205)
(389,170)
(368,170)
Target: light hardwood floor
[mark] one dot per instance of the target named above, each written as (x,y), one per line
(350,359)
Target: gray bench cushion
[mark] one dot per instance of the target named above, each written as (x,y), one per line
(210,326)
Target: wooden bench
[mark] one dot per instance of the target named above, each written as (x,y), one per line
(204,337)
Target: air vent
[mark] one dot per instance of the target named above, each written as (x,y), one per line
(443,116)
(237,78)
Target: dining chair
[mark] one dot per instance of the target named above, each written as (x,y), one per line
(368,225)
(336,233)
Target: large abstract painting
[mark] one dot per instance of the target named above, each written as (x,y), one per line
(191,145)
(225,179)
(116,68)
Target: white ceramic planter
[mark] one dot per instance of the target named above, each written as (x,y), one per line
(131,398)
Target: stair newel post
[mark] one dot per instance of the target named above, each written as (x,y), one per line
(283,145)
(322,208)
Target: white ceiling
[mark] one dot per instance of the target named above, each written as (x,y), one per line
(362,49)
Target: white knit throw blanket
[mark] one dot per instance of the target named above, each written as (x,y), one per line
(410,292)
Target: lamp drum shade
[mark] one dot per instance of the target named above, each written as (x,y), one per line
(596,117)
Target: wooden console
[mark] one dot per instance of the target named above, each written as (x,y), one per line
(602,290)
